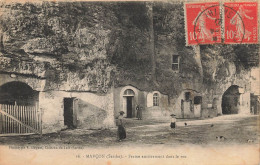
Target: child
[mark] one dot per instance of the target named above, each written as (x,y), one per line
(173,122)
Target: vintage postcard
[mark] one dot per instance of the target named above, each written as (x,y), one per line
(129,82)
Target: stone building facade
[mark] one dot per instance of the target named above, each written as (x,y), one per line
(154,104)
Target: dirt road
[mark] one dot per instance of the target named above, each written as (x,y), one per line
(235,129)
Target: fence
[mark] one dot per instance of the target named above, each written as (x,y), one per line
(17,120)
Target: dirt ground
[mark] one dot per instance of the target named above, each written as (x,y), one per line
(236,129)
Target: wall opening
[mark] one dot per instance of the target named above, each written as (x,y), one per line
(70,112)
(128,101)
(197,106)
(230,100)
(182,108)
(254,104)
(187,96)
(155,99)
(18,93)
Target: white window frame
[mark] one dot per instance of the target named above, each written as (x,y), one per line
(156,99)
(176,63)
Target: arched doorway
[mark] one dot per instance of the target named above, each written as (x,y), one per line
(128,97)
(230,100)
(18,93)
(18,109)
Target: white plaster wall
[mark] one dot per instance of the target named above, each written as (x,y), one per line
(124,105)
(255,80)
(156,112)
(162,98)
(122,100)
(244,103)
(149,99)
(51,105)
(197,110)
(187,110)
(177,104)
(218,105)
(145,99)
(161,111)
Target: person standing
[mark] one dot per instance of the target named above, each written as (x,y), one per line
(138,112)
(121,132)
(173,122)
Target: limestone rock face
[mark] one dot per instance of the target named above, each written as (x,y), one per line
(39,46)
(82,46)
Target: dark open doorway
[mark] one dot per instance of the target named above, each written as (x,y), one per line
(128,102)
(18,93)
(70,112)
(129,106)
(182,108)
(230,100)
(254,104)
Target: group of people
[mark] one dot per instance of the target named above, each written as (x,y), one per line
(120,122)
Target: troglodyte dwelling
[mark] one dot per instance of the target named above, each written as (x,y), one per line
(76,65)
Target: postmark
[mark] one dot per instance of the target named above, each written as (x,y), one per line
(240,24)
(206,24)
(202,23)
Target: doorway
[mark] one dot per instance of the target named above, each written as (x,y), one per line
(70,112)
(129,106)
(197,106)
(182,108)
(19,113)
(18,93)
(230,100)
(128,103)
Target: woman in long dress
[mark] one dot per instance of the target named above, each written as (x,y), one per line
(121,133)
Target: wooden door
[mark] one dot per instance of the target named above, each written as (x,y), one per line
(182,108)
(129,106)
(75,112)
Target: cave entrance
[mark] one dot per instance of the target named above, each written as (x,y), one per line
(18,93)
(19,112)
(230,100)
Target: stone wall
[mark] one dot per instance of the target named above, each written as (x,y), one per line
(94,111)
(36,84)
(157,112)
(145,100)
(183,107)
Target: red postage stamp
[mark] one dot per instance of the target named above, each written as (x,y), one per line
(203,25)
(241,22)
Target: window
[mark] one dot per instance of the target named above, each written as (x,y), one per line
(175,62)
(156,99)
(197,99)
(187,96)
(129,92)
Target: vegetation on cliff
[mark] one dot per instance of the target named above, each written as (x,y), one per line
(94,45)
